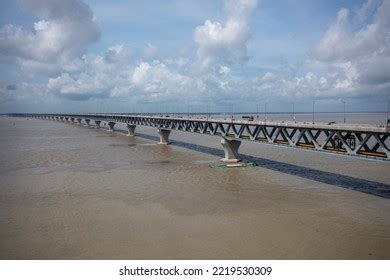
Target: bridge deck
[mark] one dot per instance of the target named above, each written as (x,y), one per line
(349,139)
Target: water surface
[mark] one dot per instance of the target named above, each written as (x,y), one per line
(71,192)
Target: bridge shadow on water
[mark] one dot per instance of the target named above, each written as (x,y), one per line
(357,184)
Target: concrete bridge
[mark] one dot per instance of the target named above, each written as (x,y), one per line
(347,139)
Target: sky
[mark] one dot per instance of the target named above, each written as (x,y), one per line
(194,55)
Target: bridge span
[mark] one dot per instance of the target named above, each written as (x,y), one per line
(347,139)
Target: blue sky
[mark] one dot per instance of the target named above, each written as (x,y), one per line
(100,55)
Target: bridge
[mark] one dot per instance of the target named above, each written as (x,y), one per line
(367,141)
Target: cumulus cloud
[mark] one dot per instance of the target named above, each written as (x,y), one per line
(350,60)
(268,77)
(146,82)
(339,44)
(306,87)
(160,82)
(100,78)
(224,70)
(150,51)
(366,51)
(96,78)
(65,29)
(225,42)
(82,87)
(368,7)
(118,53)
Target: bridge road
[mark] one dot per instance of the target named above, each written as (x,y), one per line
(367,141)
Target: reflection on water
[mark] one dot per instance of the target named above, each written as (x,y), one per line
(71,192)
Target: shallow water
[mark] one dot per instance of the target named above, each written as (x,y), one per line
(71,192)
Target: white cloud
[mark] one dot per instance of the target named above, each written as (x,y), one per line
(140,73)
(82,87)
(118,53)
(157,80)
(95,77)
(225,42)
(65,30)
(150,51)
(330,45)
(347,62)
(339,44)
(367,8)
(362,57)
(224,70)
(41,25)
(268,77)
(149,82)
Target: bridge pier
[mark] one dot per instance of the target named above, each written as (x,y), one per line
(131,129)
(111,126)
(164,136)
(79,121)
(97,123)
(230,147)
(87,121)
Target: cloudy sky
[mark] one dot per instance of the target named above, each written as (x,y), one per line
(185,55)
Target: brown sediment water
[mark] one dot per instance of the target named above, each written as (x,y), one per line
(71,192)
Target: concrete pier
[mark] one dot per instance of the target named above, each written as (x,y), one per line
(111,126)
(97,123)
(131,129)
(230,147)
(164,136)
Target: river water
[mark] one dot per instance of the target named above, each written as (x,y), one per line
(72,192)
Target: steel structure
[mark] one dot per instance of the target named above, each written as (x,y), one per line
(353,140)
